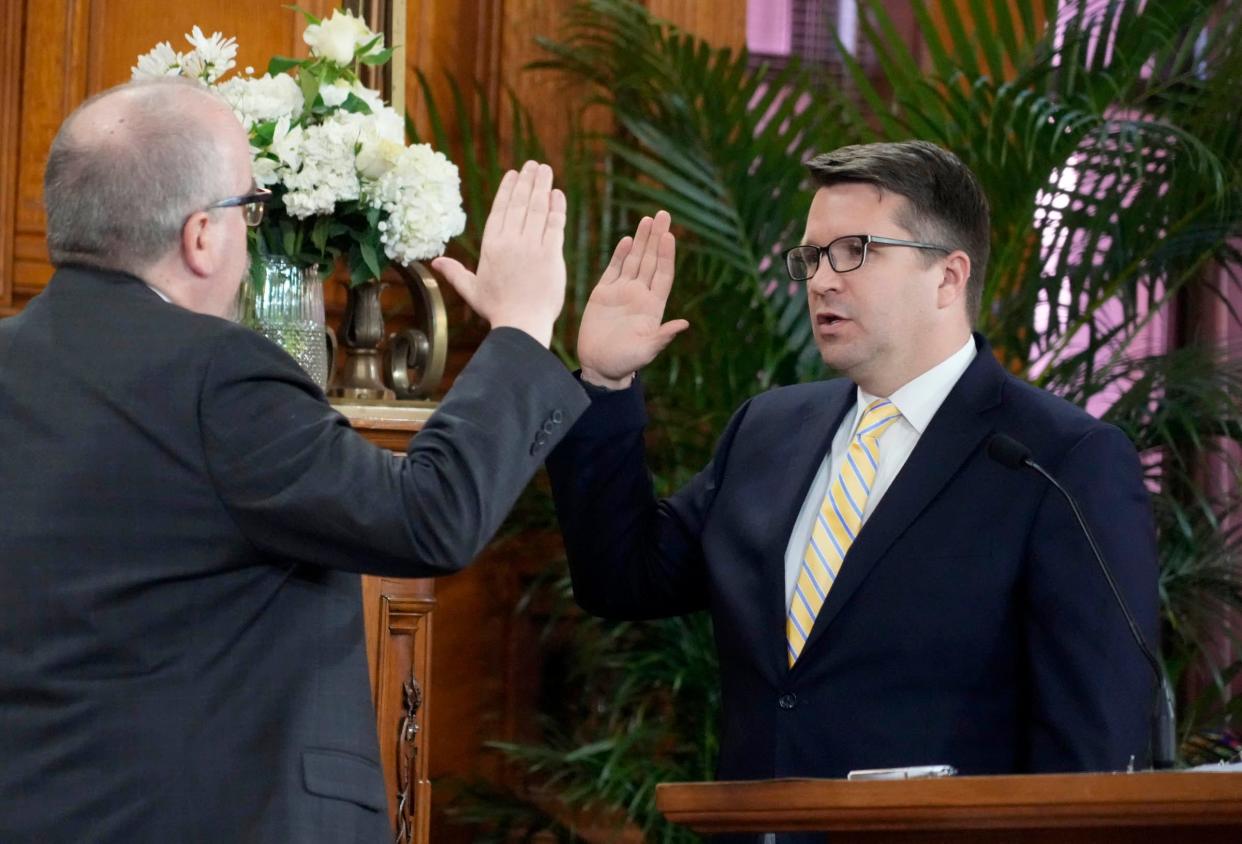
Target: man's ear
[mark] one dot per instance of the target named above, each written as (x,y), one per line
(197,242)
(953,282)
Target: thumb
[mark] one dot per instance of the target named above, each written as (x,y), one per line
(464,282)
(667,332)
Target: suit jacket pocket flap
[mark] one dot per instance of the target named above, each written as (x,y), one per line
(343,776)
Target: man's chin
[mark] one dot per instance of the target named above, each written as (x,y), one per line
(838,355)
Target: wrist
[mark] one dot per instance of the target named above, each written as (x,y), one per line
(540,330)
(596,379)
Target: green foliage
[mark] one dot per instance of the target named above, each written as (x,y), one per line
(1108,144)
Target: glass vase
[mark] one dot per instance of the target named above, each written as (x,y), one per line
(284,303)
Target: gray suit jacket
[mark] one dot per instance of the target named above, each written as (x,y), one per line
(182,521)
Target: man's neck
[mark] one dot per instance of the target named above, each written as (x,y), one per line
(884,384)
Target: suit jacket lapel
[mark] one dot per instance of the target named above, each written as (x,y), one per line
(795,459)
(953,434)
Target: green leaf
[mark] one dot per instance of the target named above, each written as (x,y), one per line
(311,19)
(289,238)
(321,232)
(371,257)
(282,64)
(355,104)
(368,46)
(380,58)
(309,83)
(263,134)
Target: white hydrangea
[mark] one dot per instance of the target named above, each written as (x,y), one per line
(264,99)
(421,195)
(327,174)
(266,171)
(338,37)
(339,157)
(161,61)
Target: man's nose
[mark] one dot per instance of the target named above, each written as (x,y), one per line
(826,279)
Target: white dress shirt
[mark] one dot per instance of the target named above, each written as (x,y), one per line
(918,401)
(159,293)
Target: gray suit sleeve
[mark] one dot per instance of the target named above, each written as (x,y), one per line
(302,485)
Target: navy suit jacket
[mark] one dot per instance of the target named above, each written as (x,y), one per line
(182,521)
(969,624)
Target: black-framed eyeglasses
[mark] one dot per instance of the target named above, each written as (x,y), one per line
(252,205)
(845,254)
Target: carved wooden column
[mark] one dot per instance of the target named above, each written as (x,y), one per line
(398,616)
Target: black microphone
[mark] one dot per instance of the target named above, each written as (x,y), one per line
(1012,454)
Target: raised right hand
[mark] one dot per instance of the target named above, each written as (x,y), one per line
(520,281)
(621,331)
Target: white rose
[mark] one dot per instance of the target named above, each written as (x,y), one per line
(376,154)
(335,94)
(337,38)
(264,99)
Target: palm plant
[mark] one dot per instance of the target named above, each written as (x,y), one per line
(1106,135)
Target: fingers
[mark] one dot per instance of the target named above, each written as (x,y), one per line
(500,205)
(554,229)
(463,281)
(666,260)
(613,271)
(629,269)
(519,202)
(540,203)
(655,241)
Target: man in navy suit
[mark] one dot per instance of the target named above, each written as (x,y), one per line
(883,594)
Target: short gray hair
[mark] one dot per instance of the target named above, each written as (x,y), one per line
(120,200)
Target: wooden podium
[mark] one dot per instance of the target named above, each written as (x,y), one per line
(1148,807)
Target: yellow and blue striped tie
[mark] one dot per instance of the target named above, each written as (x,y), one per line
(837,523)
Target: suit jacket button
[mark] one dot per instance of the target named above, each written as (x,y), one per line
(558,417)
(548,427)
(788,701)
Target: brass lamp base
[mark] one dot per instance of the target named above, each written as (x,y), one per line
(362,377)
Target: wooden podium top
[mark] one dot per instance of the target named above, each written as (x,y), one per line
(1054,801)
(388,424)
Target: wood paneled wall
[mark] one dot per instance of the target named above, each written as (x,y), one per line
(12,15)
(55,54)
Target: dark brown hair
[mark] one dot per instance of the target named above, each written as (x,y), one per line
(944,202)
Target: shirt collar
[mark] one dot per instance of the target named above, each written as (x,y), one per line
(918,400)
(159,293)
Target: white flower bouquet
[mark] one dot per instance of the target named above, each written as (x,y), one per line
(344,182)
